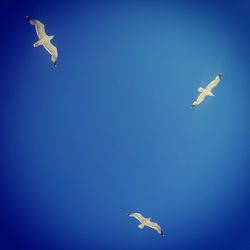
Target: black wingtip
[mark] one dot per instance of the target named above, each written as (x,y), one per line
(55,64)
(193,106)
(220,75)
(28,18)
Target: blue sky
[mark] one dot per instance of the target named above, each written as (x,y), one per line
(110,130)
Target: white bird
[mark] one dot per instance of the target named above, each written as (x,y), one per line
(44,39)
(207,91)
(146,222)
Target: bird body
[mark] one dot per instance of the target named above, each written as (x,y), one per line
(207,91)
(44,39)
(146,222)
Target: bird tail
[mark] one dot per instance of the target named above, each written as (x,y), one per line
(38,43)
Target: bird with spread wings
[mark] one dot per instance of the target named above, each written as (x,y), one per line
(146,222)
(44,39)
(207,91)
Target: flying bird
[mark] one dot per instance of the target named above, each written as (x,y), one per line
(44,39)
(207,91)
(146,222)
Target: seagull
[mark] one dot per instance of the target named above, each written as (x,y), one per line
(44,39)
(146,222)
(207,91)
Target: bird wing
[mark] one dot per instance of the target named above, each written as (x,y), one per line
(199,100)
(40,31)
(138,216)
(52,50)
(155,226)
(214,83)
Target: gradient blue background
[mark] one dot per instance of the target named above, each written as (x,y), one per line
(111,131)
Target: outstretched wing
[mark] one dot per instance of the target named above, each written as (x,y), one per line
(155,226)
(138,216)
(199,100)
(40,31)
(214,83)
(52,50)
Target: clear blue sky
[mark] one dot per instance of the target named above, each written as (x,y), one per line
(111,131)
